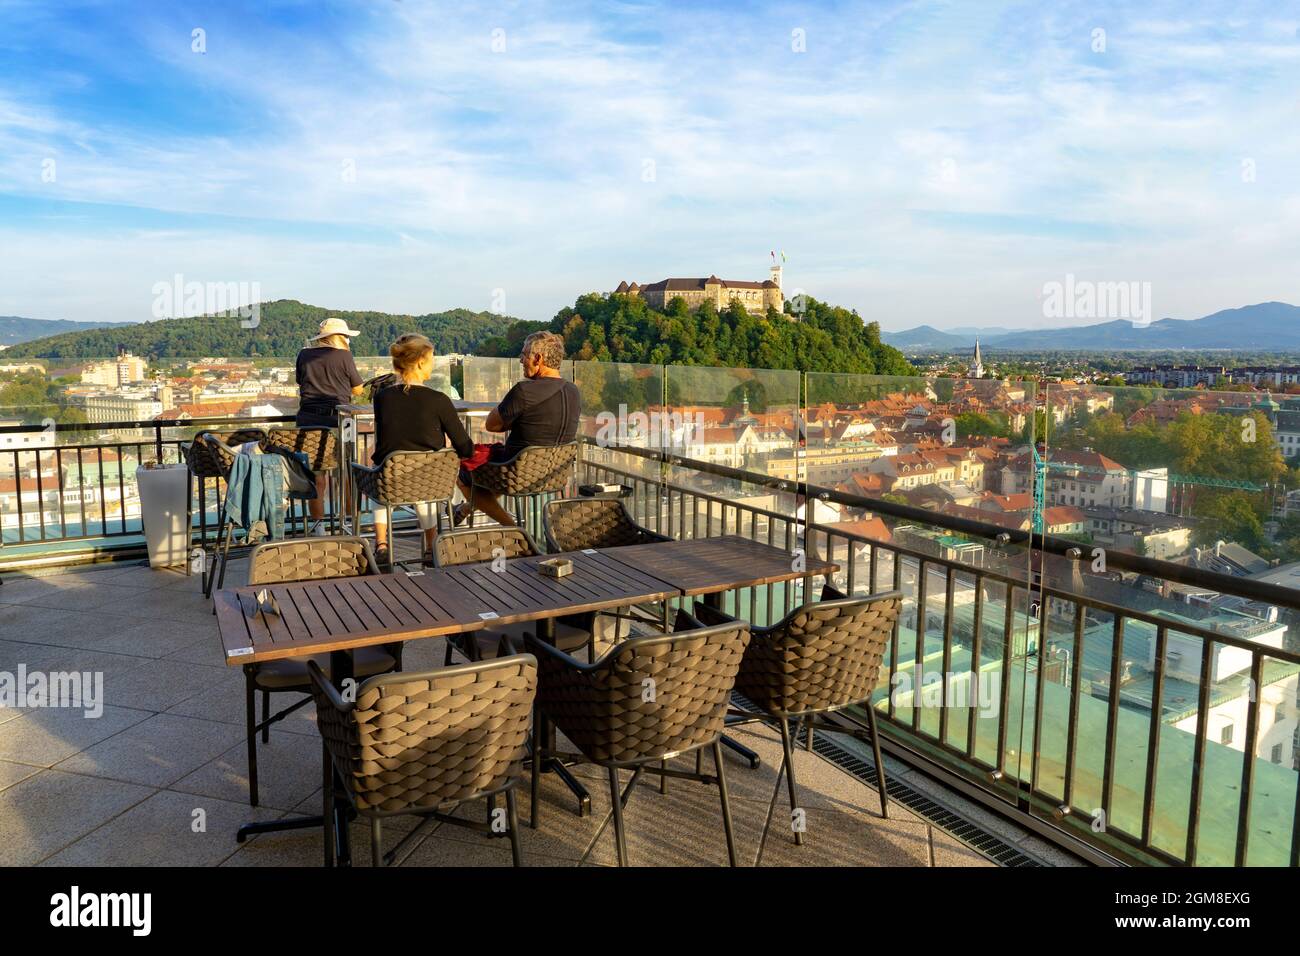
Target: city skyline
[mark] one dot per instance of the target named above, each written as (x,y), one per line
(392,157)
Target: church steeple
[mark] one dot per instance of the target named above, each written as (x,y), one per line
(977,364)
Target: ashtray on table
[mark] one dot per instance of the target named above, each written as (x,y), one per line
(556,567)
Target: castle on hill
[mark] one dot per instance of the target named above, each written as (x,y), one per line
(757,297)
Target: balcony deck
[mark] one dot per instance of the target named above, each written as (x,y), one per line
(123,789)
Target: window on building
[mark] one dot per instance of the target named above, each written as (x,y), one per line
(1225,735)
(1277,753)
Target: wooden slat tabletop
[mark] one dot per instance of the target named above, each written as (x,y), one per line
(347,613)
(520,592)
(336,614)
(708,565)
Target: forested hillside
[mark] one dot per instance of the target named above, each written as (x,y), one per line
(283,326)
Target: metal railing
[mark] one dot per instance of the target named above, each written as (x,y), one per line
(1009,602)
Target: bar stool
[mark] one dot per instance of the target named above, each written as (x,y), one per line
(405,479)
(321,447)
(534,471)
(223,457)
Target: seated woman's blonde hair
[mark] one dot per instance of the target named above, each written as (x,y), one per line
(408,352)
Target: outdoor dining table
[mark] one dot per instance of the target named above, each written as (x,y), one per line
(337,616)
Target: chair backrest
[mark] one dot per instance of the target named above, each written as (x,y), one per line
(536,469)
(572,524)
(823,656)
(308,559)
(474,546)
(319,445)
(649,697)
(220,455)
(204,462)
(406,477)
(418,741)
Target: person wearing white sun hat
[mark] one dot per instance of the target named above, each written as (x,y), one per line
(327,377)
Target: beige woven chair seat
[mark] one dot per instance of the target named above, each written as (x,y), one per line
(291,674)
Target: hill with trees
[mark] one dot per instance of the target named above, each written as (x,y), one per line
(283,326)
(623,328)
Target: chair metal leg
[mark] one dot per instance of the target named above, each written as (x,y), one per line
(663,777)
(225,555)
(880,764)
(808,724)
(789,775)
(616,798)
(327,807)
(266,716)
(537,767)
(376,842)
(250,733)
(210,578)
(720,770)
(512,811)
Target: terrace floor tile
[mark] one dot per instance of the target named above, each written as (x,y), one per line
(164,830)
(44,736)
(155,752)
(288,771)
(44,813)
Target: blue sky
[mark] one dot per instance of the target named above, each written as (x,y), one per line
(924,163)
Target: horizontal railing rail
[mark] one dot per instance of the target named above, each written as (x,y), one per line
(1049,544)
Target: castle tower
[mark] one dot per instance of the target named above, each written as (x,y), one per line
(773,298)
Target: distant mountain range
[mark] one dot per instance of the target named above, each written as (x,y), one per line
(1266,326)
(283,326)
(16,328)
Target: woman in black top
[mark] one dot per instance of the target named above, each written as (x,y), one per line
(411,417)
(327,377)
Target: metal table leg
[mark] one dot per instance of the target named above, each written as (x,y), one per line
(556,765)
(714,600)
(340,670)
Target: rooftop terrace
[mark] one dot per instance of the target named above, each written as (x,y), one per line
(123,789)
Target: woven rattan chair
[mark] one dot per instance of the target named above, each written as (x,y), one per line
(408,478)
(205,464)
(574,524)
(320,447)
(821,657)
(421,743)
(534,471)
(304,559)
(645,701)
(479,546)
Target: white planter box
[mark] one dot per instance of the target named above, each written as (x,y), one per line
(164,509)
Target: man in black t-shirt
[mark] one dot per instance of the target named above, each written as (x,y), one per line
(543,409)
